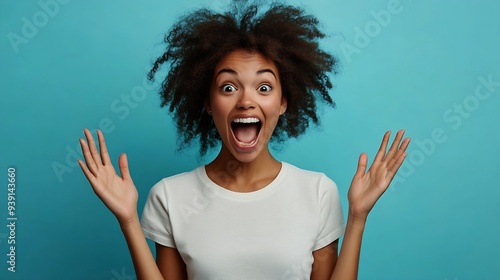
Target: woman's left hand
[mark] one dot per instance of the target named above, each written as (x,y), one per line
(367,187)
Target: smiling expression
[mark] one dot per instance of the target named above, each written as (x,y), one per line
(246,102)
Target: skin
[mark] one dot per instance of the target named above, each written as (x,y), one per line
(244,84)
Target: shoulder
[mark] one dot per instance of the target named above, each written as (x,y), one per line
(177,182)
(297,170)
(296,174)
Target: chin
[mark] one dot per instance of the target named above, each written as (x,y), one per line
(246,156)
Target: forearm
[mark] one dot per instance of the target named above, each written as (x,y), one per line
(348,260)
(144,262)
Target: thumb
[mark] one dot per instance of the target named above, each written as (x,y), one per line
(123,164)
(363,159)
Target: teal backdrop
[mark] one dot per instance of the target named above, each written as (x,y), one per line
(430,67)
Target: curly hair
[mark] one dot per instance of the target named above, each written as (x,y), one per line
(285,34)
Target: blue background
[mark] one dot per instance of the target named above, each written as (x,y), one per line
(81,59)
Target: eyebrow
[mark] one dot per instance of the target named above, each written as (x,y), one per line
(267,70)
(231,71)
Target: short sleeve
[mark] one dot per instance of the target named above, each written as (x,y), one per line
(155,220)
(331,217)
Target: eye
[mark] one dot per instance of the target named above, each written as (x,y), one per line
(228,88)
(265,88)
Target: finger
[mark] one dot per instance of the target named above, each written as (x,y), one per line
(88,157)
(396,161)
(103,149)
(383,146)
(404,145)
(90,177)
(363,159)
(396,166)
(93,148)
(123,163)
(395,144)
(86,171)
(401,150)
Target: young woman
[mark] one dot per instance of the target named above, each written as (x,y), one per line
(243,79)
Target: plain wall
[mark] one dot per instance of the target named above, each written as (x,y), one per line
(430,67)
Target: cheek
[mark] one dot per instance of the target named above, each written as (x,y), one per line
(220,111)
(220,108)
(272,112)
(272,109)
(218,105)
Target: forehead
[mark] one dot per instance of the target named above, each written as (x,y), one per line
(243,60)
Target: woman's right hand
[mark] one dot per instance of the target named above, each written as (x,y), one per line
(118,193)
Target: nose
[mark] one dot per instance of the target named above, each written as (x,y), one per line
(245,100)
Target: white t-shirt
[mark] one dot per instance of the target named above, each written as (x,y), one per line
(266,234)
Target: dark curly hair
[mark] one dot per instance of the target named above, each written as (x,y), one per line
(285,34)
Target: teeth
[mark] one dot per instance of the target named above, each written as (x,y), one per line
(246,120)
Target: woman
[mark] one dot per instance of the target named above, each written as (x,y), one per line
(243,79)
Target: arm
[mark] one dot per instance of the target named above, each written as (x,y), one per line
(325,260)
(170,263)
(348,260)
(120,197)
(144,262)
(366,188)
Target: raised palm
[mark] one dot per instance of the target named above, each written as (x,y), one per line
(367,187)
(118,193)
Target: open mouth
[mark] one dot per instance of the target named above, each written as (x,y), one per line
(246,130)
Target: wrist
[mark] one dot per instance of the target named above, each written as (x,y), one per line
(356,219)
(132,221)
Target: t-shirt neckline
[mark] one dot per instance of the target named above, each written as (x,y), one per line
(243,196)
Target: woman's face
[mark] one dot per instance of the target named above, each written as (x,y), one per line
(245,102)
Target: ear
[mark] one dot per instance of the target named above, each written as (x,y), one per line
(284,103)
(208,109)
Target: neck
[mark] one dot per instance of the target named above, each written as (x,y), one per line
(226,171)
